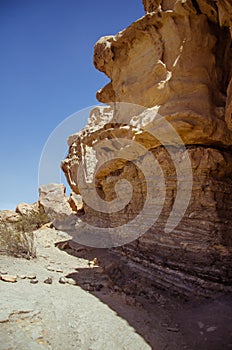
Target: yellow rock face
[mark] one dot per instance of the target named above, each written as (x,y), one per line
(176,64)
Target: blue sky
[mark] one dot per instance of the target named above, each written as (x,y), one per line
(47,74)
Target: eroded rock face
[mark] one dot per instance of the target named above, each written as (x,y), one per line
(175,62)
(160,60)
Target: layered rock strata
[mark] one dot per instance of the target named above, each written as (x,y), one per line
(175,63)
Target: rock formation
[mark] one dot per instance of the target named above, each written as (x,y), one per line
(175,63)
(59,207)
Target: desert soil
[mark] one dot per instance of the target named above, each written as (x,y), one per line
(88,312)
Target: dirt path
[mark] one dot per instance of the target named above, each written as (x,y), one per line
(88,313)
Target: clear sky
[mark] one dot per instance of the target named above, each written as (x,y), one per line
(47,74)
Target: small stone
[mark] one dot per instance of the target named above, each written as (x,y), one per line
(34,281)
(94,262)
(200,324)
(62,280)
(71,281)
(59,270)
(173,329)
(63,245)
(22,277)
(48,280)
(9,278)
(50,268)
(31,277)
(3,272)
(211,329)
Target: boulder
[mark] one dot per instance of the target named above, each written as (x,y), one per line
(53,200)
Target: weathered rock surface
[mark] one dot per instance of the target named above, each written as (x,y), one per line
(175,62)
(59,207)
(160,60)
(53,199)
(75,202)
(27,209)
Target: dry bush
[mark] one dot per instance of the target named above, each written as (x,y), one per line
(17,239)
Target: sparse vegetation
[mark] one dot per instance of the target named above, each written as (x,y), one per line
(17,238)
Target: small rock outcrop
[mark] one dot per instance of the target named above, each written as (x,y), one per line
(172,67)
(59,207)
(53,200)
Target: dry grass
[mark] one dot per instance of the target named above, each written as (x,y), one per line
(17,239)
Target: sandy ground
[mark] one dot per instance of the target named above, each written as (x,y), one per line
(92,313)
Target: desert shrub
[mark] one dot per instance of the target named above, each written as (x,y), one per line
(33,221)
(17,238)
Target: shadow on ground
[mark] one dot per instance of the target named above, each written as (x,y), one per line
(164,321)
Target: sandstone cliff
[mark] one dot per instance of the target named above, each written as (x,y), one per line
(170,94)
